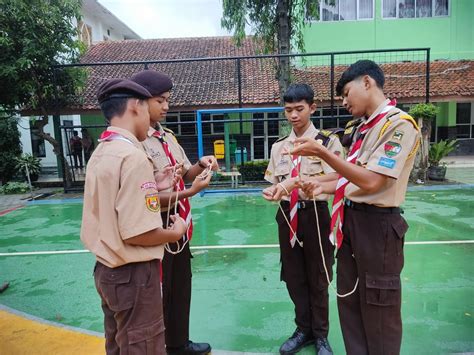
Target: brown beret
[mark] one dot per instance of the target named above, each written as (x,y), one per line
(121,88)
(155,82)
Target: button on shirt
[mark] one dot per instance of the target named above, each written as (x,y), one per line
(120,202)
(280,166)
(388,149)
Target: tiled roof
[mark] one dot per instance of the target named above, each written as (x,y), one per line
(215,83)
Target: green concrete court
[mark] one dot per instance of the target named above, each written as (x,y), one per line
(239,304)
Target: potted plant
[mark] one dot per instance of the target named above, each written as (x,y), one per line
(438,151)
(424,114)
(30,164)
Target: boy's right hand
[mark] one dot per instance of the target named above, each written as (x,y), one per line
(179,225)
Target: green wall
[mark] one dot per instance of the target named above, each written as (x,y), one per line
(449,37)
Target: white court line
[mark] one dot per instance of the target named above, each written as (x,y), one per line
(254,246)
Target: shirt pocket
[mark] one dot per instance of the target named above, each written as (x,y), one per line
(283,171)
(312,168)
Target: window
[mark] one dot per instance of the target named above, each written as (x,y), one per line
(414,8)
(341,117)
(85,33)
(464,120)
(37,143)
(187,128)
(171,122)
(217,127)
(346,10)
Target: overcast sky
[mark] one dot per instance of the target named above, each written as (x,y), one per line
(169,18)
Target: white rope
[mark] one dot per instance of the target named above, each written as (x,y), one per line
(320,242)
(324,260)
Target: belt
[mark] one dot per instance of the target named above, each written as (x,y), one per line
(371,208)
(303,204)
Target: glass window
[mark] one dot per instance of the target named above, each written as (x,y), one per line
(206,125)
(218,127)
(329,10)
(37,143)
(389,8)
(406,8)
(441,8)
(463,114)
(171,122)
(258,124)
(187,128)
(273,126)
(423,8)
(347,10)
(366,9)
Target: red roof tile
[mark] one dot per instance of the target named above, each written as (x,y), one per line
(214,83)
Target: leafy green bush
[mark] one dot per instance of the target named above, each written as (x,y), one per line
(10,147)
(14,188)
(253,171)
(32,162)
(425,111)
(441,149)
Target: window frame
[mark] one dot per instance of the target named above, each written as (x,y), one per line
(469,124)
(339,13)
(397,7)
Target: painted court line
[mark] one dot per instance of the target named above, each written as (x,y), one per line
(205,247)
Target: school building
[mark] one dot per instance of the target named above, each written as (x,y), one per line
(233,77)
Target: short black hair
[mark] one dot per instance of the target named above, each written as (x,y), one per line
(299,92)
(114,107)
(358,69)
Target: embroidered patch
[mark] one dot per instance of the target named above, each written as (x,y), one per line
(283,161)
(148,185)
(319,141)
(398,135)
(153,202)
(387,163)
(392,148)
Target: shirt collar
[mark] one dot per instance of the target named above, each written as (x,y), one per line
(311,131)
(378,110)
(125,133)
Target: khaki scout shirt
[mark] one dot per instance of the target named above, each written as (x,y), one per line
(280,166)
(389,149)
(155,150)
(120,202)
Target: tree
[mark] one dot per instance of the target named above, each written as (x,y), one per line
(10,148)
(35,36)
(277,23)
(424,114)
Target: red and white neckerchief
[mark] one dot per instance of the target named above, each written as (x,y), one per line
(112,136)
(338,202)
(184,205)
(294,202)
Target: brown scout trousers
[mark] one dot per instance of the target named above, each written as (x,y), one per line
(176,294)
(302,268)
(131,302)
(372,250)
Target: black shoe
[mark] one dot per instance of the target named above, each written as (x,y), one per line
(190,349)
(296,342)
(323,347)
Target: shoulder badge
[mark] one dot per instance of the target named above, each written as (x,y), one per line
(411,119)
(282,138)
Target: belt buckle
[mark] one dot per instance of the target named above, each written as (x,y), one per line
(301,204)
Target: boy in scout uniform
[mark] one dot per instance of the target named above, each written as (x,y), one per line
(122,227)
(302,265)
(162,146)
(371,187)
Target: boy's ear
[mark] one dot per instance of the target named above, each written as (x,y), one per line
(313,107)
(132,105)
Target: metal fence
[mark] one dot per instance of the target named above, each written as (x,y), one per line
(236,82)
